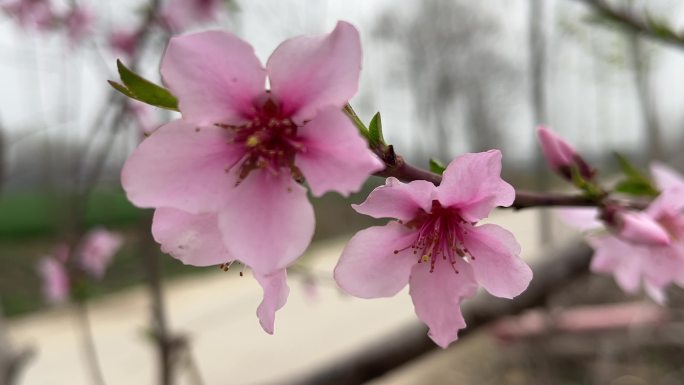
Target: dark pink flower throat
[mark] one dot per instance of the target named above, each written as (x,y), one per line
(269,140)
(440,235)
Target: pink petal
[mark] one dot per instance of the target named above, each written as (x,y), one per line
(369,268)
(268,221)
(97,249)
(656,293)
(472,183)
(496,261)
(276,292)
(666,177)
(398,200)
(55,280)
(613,256)
(194,239)
(437,297)
(558,153)
(215,75)
(583,219)
(639,227)
(181,167)
(336,157)
(669,204)
(307,73)
(181,14)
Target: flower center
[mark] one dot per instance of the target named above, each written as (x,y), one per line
(440,235)
(269,140)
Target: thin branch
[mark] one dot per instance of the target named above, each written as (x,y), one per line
(89,350)
(645,26)
(403,171)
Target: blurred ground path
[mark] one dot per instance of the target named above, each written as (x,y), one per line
(218,310)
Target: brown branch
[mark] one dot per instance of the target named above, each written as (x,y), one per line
(551,276)
(641,25)
(398,168)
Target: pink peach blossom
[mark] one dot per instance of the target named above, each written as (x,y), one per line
(55,280)
(435,245)
(123,42)
(79,24)
(195,239)
(31,14)
(96,250)
(178,15)
(651,253)
(240,152)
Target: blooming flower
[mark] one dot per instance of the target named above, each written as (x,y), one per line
(435,245)
(97,249)
(55,279)
(651,253)
(181,14)
(240,152)
(31,14)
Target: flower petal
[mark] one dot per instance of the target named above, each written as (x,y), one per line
(583,219)
(496,261)
(276,292)
(215,76)
(97,249)
(268,221)
(181,167)
(666,177)
(369,268)
(194,239)
(335,158)
(614,256)
(398,200)
(55,280)
(437,297)
(307,73)
(472,183)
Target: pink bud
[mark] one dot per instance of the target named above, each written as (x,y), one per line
(638,227)
(556,150)
(560,155)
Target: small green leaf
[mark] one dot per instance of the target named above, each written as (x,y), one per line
(626,166)
(635,187)
(436,166)
(375,131)
(139,88)
(635,183)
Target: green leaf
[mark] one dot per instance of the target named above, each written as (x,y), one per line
(136,87)
(375,131)
(436,166)
(635,183)
(635,187)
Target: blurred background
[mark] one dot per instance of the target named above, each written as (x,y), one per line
(448,76)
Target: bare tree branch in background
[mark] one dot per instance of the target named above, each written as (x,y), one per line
(452,68)
(646,98)
(537,36)
(642,25)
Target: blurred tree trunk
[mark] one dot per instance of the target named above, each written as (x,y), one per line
(645,97)
(537,38)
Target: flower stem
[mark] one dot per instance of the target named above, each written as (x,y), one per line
(89,350)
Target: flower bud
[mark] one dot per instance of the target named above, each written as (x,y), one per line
(560,155)
(638,227)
